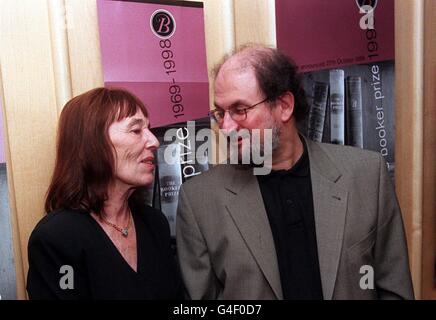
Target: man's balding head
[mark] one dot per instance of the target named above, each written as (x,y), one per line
(276,73)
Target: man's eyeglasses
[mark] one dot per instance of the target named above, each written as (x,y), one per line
(237,113)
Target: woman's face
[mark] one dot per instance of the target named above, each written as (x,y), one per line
(134,146)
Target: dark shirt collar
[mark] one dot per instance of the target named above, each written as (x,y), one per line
(299,169)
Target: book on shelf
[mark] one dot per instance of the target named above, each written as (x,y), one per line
(353,110)
(317,112)
(169,181)
(178,159)
(337,106)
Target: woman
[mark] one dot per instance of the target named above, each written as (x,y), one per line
(96,242)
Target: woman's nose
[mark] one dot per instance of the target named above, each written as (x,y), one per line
(152,141)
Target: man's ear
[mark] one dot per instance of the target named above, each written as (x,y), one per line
(287,103)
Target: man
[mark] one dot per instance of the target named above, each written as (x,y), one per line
(324,224)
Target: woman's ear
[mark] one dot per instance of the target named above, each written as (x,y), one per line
(286,106)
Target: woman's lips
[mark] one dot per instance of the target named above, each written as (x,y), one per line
(150,161)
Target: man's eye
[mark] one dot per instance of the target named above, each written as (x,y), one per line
(239,110)
(136,131)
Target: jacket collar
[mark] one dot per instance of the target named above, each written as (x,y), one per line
(246,207)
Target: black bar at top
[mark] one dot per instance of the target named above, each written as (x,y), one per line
(169,2)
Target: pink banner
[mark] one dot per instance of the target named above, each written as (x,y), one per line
(159,104)
(158,52)
(320,34)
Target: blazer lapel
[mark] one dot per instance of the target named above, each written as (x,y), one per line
(330,205)
(248,212)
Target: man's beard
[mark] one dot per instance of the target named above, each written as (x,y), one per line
(256,146)
(261,148)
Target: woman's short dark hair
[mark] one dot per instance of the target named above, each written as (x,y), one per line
(275,73)
(85,161)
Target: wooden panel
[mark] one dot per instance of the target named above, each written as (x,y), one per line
(219,29)
(429,144)
(30,114)
(255,22)
(83,45)
(59,45)
(220,40)
(409,125)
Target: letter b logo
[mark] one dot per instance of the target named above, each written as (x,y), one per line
(162,24)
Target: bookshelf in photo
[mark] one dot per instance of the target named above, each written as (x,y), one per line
(346,58)
(353,106)
(178,159)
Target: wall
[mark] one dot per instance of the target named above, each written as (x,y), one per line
(50,52)
(7,266)
(415,52)
(429,154)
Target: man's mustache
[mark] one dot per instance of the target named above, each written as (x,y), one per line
(234,135)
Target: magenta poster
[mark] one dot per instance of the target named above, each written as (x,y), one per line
(344,50)
(156,49)
(320,34)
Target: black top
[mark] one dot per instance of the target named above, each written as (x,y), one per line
(73,238)
(287,195)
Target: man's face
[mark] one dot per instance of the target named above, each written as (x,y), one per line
(237,88)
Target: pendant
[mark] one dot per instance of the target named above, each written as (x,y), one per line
(125,232)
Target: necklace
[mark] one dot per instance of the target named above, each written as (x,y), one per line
(124,231)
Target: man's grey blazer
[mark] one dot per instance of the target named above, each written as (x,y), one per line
(226,248)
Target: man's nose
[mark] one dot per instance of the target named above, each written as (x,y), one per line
(228,125)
